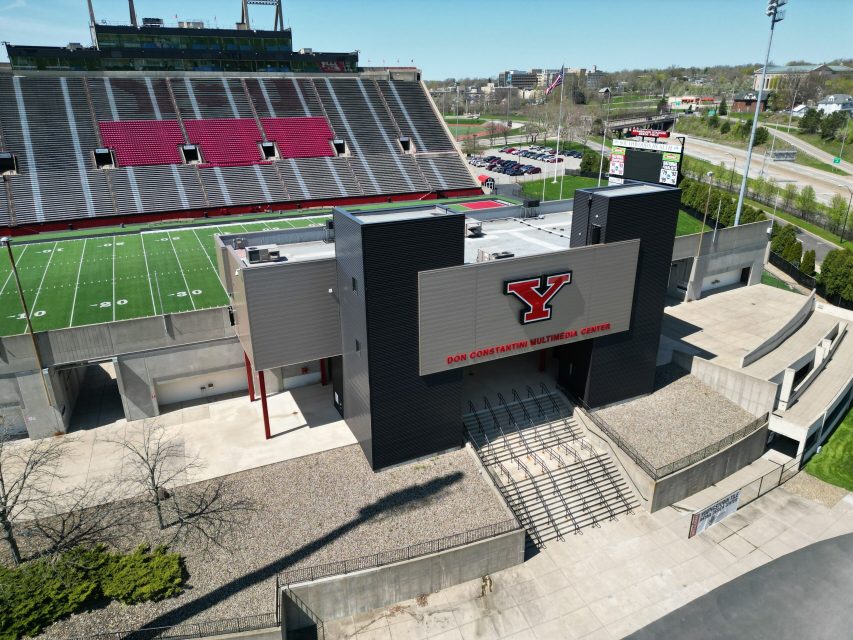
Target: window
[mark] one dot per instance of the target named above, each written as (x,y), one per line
(357,346)
(354,285)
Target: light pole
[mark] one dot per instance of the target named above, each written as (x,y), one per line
(732,174)
(604,135)
(775,16)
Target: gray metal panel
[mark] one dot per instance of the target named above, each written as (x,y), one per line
(463,309)
(293,316)
(236,290)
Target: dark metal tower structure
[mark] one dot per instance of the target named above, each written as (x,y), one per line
(278,25)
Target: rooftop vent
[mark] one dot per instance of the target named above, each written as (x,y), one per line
(474,229)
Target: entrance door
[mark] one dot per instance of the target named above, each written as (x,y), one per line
(201,386)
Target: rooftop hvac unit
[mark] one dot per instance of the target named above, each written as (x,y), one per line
(264,253)
(191,24)
(152,22)
(239,243)
(74,46)
(484,255)
(474,229)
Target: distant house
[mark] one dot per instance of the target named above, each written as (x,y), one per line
(836,102)
(776,73)
(800,110)
(746,102)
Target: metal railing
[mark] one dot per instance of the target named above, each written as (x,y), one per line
(341,567)
(789,268)
(192,629)
(656,473)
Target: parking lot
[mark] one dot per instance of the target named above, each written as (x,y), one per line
(524,162)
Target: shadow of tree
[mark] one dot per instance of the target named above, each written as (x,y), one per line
(404,499)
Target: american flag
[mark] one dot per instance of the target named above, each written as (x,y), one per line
(556,82)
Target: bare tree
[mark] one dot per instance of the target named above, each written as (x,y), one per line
(26,473)
(492,128)
(159,467)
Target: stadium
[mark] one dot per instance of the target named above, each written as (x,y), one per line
(299,238)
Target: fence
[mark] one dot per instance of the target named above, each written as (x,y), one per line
(791,270)
(656,473)
(304,574)
(319,629)
(193,629)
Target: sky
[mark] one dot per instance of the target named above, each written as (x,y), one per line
(475,38)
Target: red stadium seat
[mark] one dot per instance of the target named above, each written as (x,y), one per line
(143,142)
(226,141)
(300,137)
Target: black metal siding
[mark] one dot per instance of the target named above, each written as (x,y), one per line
(411,415)
(622,366)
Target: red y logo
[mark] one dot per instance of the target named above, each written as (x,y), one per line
(537,293)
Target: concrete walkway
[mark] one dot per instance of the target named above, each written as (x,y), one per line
(805,594)
(613,580)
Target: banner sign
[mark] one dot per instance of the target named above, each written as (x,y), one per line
(712,514)
(651,146)
(650,133)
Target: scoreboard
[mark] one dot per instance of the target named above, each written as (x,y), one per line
(655,162)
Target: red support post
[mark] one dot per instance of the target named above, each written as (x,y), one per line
(263,390)
(249,378)
(324,380)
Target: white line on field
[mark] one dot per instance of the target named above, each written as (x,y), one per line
(77,284)
(43,275)
(148,273)
(10,269)
(180,266)
(114,278)
(204,250)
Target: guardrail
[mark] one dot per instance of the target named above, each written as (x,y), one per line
(341,567)
(792,270)
(656,473)
(192,629)
(318,623)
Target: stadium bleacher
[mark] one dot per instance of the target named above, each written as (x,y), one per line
(395,144)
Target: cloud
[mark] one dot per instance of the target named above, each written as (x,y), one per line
(15,4)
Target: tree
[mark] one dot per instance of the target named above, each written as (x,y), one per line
(26,474)
(807,265)
(590,161)
(807,202)
(831,124)
(492,129)
(469,146)
(783,236)
(724,107)
(793,253)
(714,121)
(836,274)
(810,122)
(789,194)
(836,212)
(762,135)
(158,466)
(726,126)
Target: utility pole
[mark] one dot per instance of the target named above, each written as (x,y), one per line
(775,16)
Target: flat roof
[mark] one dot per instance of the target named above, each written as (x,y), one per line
(520,237)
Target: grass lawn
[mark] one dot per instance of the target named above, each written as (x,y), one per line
(834,463)
(462,120)
(771,280)
(552,189)
(687,224)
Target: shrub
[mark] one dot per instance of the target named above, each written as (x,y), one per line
(38,593)
(836,274)
(783,236)
(143,575)
(590,161)
(793,253)
(807,265)
(726,127)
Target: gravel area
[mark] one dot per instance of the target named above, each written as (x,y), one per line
(815,489)
(311,510)
(680,417)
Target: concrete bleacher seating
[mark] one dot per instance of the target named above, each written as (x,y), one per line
(53,124)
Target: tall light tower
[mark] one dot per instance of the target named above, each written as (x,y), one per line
(775,15)
(279,16)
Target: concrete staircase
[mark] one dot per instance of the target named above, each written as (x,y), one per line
(548,473)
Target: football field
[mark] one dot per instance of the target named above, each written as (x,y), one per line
(69,283)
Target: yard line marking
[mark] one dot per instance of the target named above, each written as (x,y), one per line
(148,273)
(9,277)
(43,275)
(114,279)
(159,295)
(180,266)
(77,284)
(204,251)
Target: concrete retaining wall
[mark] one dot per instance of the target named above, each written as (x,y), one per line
(752,394)
(353,593)
(782,334)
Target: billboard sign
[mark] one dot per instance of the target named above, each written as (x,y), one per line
(649,133)
(712,514)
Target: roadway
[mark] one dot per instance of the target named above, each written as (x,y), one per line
(804,594)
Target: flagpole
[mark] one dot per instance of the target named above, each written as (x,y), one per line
(562,182)
(559,123)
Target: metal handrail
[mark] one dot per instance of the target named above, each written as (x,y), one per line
(472,410)
(560,443)
(318,622)
(552,454)
(511,421)
(523,466)
(589,478)
(518,500)
(553,399)
(542,464)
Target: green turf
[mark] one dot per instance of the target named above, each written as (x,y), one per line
(771,280)
(834,463)
(552,189)
(69,283)
(687,224)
